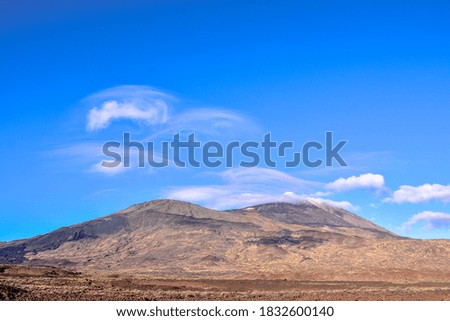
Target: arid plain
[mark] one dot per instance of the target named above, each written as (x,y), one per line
(171,250)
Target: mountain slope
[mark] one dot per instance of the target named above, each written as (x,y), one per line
(316,214)
(165,237)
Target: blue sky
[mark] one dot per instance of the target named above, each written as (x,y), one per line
(376,74)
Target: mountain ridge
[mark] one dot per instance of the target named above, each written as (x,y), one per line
(168,237)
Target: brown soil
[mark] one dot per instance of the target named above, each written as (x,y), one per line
(44,283)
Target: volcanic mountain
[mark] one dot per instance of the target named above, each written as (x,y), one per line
(306,240)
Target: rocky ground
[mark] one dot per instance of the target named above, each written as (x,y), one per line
(44,283)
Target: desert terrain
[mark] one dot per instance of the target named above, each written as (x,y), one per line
(43,283)
(171,250)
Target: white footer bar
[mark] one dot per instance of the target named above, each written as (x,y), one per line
(242,310)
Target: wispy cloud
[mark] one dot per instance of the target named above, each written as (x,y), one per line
(227,196)
(99,118)
(249,186)
(101,193)
(432,220)
(137,103)
(365,181)
(256,175)
(244,187)
(109,171)
(209,121)
(224,197)
(420,194)
(341,204)
(155,109)
(358,163)
(151,114)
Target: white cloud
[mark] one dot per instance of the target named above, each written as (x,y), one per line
(99,118)
(225,196)
(433,220)
(89,157)
(206,123)
(150,107)
(263,175)
(153,107)
(341,204)
(321,194)
(420,194)
(365,181)
(219,196)
(211,120)
(249,186)
(137,103)
(110,171)
(205,193)
(244,187)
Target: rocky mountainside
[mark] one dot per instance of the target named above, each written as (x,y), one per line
(304,240)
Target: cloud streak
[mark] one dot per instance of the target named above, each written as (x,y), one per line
(154,108)
(136,103)
(151,115)
(249,186)
(365,181)
(420,194)
(99,118)
(432,220)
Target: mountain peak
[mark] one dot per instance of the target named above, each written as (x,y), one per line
(165,229)
(316,214)
(165,206)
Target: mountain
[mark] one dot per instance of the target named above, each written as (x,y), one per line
(316,214)
(164,237)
